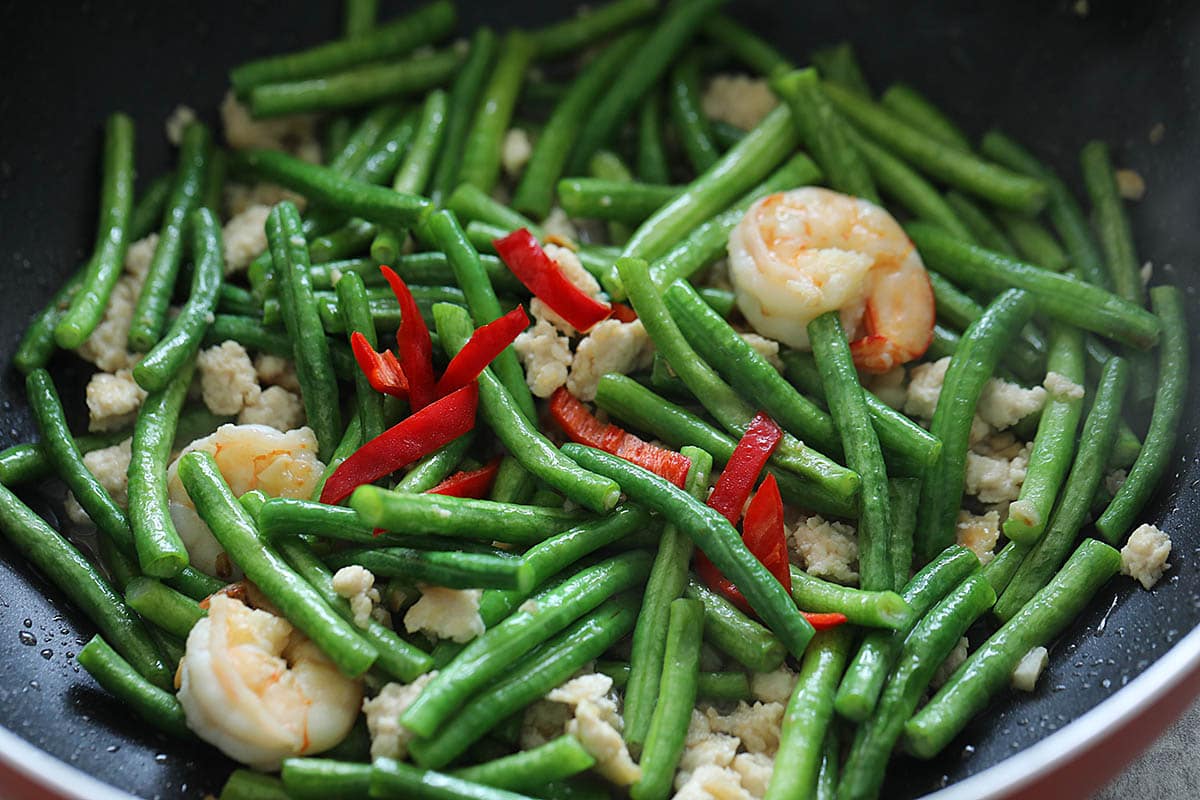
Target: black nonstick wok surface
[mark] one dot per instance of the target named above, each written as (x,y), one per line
(1041,71)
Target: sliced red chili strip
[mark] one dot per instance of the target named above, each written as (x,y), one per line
(824,621)
(383,371)
(529,262)
(476,483)
(414,344)
(579,424)
(763,533)
(748,459)
(437,424)
(623,313)
(485,344)
(764,536)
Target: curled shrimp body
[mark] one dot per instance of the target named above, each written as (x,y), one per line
(801,253)
(258,690)
(249,457)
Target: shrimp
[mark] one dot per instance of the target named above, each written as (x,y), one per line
(249,457)
(258,690)
(798,254)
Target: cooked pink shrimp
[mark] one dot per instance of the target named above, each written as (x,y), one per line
(801,253)
(259,690)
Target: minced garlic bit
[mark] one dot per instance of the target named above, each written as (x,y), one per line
(446,613)
(739,100)
(1062,388)
(1029,669)
(227,378)
(1144,556)
(827,549)
(389,739)
(113,400)
(357,584)
(1131,184)
(978,534)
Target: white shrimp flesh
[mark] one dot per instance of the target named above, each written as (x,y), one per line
(258,690)
(249,457)
(799,254)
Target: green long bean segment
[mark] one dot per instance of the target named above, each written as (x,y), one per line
(523,440)
(386,41)
(87,306)
(676,698)
(668,577)
(988,669)
(1087,473)
(182,339)
(924,649)
(535,193)
(150,311)
(300,602)
(310,348)
(529,678)
(148,701)
(808,715)
(716,395)
(970,367)
(1060,296)
(590,25)
(641,71)
(490,655)
(481,150)
(713,534)
(824,133)
(1061,206)
(74,575)
(734,633)
(1160,440)
(861,446)
(871,665)
(874,609)
(1111,223)
(161,552)
(1054,443)
(463,99)
(957,168)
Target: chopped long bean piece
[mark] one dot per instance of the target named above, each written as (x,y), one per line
(1060,296)
(152,703)
(970,367)
(989,668)
(873,609)
(713,534)
(394,39)
(1054,444)
(464,97)
(535,193)
(589,25)
(961,170)
(808,715)
(481,151)
(87,306)
(1169,401)
(150,311)
(667,580)
(301,603)
(643,69)
(74,575)
(860,444)
(1087,473)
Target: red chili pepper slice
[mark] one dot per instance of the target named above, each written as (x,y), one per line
(435,425)
(825,621)
(475,483)
(763,533)
(383,371)
(579,424)
(748,459)
(764,536)
(529,262)
(485,344)
(623,313)
(414,344)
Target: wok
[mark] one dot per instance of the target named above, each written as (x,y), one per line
(1041,71)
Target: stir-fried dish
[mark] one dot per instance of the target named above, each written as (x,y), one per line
(609,409)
